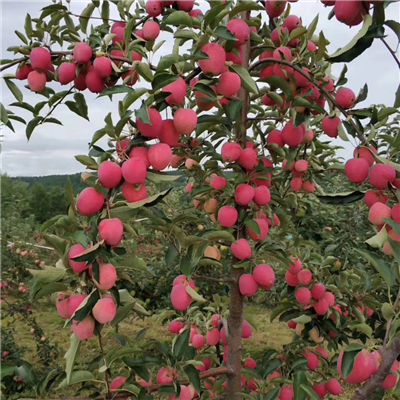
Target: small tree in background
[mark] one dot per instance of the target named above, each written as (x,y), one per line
(239,106)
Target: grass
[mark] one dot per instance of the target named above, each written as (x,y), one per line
(266,335)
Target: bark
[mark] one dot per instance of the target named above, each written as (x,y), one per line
(389,355)
(235,319)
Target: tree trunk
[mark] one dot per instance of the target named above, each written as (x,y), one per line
(235,318)
(389,355)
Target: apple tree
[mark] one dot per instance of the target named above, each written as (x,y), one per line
(240,104)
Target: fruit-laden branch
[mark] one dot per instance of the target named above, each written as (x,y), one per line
(209,278)
(389,355)
(123,394)
(140,22)
(203,375)
(316,84)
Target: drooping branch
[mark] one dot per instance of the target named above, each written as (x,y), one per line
(323,90)
(392,52)
(124,394)
(209,278)
(389,355)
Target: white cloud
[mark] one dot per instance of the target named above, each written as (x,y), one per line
(52,147)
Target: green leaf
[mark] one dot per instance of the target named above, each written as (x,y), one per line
(81,102)
(70,356)
(377,240)
(132,96)
(220,235)
(77,377)
(363,328)
(89,162)
(366,24)
(379,265)
(224,33)
(181,344)
(322,43)
(248,82)
(59,244)
(194,377)
(133,262)
(387,311)
(299,379)
(160,177)
(14,89)
(144,70)
(7,370)
(233,109)
(162,79)
(105,11)
(397,98)
(28,26)
(32,124)
(342,134)
(303,319)
(311,28)
(4,115)
(212,13)
(312,395)
(85,15)
(394,26)
(48,289)
(298,32)
(50,274)
(278,82)
(27,373)
(128,30)
(245,6)
(253,225)
(150,201)
(85,307)
(178,18)
(21,36)
(348,361)
(194,295)
(341,198)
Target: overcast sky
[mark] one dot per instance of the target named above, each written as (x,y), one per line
(51,148)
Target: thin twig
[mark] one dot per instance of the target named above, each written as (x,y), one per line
(91,17)
(56,104)
(316,84)
(392,52)
(4,67)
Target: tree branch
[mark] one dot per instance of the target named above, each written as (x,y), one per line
(57,103)
(389,355)
(193,74)
(124,394)
(321,88)
(203,375)
(4,67)
(392,52)
(209,278)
